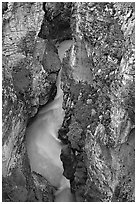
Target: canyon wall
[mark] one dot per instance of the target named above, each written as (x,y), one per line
(98,83)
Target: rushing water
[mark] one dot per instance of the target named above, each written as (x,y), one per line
(43,145)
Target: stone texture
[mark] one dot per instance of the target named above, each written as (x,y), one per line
(98,76)
(27,84)
(100,121)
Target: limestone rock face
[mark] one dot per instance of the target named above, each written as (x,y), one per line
(98,123)
(98,74)
(27,84)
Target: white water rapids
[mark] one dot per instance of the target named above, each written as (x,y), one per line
(43,145)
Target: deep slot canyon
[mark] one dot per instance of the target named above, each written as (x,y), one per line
(68,102)
(43,145)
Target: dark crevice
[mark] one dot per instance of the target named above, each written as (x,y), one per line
(56,21)
(4,7)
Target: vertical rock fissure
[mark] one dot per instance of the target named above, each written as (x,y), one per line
(43,145)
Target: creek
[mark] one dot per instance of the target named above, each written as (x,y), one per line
(43,145)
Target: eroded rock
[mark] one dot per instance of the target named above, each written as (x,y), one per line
(98,83)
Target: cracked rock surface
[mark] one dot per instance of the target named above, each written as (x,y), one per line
(98,81)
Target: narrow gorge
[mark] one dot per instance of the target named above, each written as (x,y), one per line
(68,101)
(43,145)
